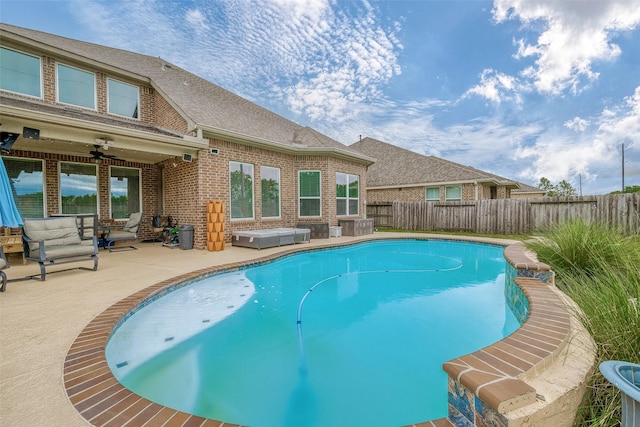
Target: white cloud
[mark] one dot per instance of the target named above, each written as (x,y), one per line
(594,155)
(312,57)
(497,87)
(623,123)
(577,124)
(575,35)
(197,20)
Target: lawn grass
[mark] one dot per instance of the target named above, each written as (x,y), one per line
(599,268)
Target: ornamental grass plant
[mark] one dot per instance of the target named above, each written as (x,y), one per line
(598,268)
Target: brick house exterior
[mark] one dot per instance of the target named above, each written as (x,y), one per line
(186,133)
(402,175)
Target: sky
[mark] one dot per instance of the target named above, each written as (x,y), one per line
(523,89)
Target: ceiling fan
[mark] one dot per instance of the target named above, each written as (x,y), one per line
(99,155)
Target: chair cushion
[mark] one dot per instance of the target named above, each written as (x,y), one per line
(121,235)
(56,231)
(134,222)
(65,251)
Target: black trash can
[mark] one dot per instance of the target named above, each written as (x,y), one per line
(185,236)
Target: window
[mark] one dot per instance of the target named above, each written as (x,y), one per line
(347,192)
(122,99)
(433,193)
(270,188)
(26,178)
(309,193)
(76,87)
(124,189)
(241,188)
(453,193)
(78,188)
(20,73)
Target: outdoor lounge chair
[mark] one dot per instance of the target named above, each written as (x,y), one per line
(3,264)
(126,233)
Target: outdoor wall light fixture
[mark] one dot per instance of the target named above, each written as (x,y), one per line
(105,142)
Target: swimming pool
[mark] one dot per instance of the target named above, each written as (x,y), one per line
(364,347)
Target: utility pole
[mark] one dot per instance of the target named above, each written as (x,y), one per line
(623,167)
(580,176)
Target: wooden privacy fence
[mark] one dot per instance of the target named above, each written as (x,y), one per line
(509,216)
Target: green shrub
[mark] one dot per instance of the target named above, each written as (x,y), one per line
(599,269)
(580,248)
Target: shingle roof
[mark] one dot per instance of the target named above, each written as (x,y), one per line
(202,102)
(396,166)
(527,189)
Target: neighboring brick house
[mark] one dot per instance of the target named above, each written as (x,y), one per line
(179,142)
(402,175)
(527,191)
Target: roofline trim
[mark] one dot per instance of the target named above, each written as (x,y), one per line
(302,150)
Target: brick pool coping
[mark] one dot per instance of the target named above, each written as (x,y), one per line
(491,373)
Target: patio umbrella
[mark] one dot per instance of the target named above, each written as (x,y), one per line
(9,215)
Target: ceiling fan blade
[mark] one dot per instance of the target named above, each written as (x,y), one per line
(97,154)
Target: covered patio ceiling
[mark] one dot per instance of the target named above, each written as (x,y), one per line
(77,136)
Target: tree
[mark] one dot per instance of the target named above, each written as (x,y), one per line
(563,188)
(628,189)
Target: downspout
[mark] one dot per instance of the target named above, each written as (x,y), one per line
(475,184)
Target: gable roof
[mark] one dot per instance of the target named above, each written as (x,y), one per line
(528,189)
(399,167)
(205,106)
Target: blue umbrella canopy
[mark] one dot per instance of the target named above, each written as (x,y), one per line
(9,215)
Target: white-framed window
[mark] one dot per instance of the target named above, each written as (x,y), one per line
(347,194)
(124,191)
(123,99)
(309,194)
(453,193)
(20,73)
(78,188)
(27,180)
(270,189)
(241,189)
(76,87)
(433,194)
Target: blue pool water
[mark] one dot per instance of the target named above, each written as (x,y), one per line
(353,336)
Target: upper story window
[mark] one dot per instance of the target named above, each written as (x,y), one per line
(347,194)
(453,193)
(241,189)
(270,189)
(20,73)
(309,194)
(433,194)
(76,87)
(123,99)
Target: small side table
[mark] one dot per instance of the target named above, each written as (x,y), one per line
(12,244)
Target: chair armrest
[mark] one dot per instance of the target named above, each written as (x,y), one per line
(27,250)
